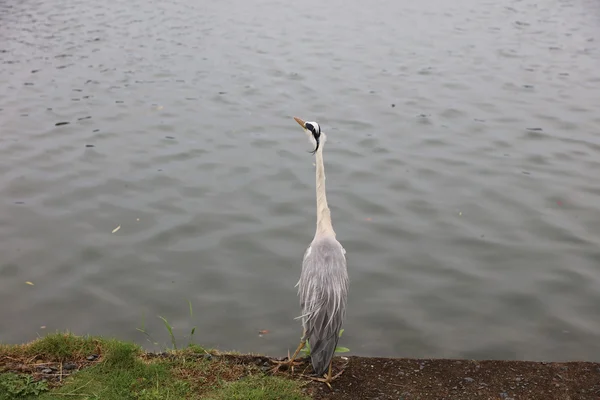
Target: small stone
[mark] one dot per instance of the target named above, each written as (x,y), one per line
(92,357)
(46,371)
(69,366)
(393,105)
(208,357)
(61,123)
(89,145)
(469,380)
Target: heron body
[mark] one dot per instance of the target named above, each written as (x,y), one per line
(323,288)
(323,284)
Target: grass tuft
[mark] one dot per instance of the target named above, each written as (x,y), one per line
(58,346)
(122,374)
(169,328)
(59,366)
(259,387)
(120,354)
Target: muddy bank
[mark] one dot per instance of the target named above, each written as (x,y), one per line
(56,358)
(391,378)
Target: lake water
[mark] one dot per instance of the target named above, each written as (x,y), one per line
(463,166)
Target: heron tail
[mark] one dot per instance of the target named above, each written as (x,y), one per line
(321,352)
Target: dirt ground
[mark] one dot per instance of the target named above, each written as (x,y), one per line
(408,379)
(365,378)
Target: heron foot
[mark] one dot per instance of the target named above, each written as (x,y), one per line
(327,378)
(291,361)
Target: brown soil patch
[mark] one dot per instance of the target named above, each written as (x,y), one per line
(45,369)
(365,378)
(407,379)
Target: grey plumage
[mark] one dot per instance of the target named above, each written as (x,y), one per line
(323,290)
(323,284)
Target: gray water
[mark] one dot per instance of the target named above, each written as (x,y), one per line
(463,166)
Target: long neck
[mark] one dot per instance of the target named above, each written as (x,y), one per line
(324,226)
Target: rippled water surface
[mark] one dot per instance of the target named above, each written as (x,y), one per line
(463,167)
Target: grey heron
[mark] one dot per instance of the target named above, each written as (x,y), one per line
(323,283)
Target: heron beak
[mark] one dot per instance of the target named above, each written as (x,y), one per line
(299,121)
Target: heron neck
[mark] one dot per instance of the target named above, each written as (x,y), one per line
(324,226)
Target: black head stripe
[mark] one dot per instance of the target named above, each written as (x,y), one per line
(316,132)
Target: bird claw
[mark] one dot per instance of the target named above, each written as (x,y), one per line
(290,364)
(291,360)
(326,380)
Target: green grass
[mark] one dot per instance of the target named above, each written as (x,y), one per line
(56,347)
(15,386)
(258,388)
(170,330)
(123,375)
(123,371)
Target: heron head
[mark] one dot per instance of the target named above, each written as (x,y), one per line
(313,130)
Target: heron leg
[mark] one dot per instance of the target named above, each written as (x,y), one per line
(300,347)
(290,361)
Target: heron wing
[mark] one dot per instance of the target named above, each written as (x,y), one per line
(323,288)
(323,337)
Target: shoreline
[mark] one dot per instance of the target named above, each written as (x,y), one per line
(63,364)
